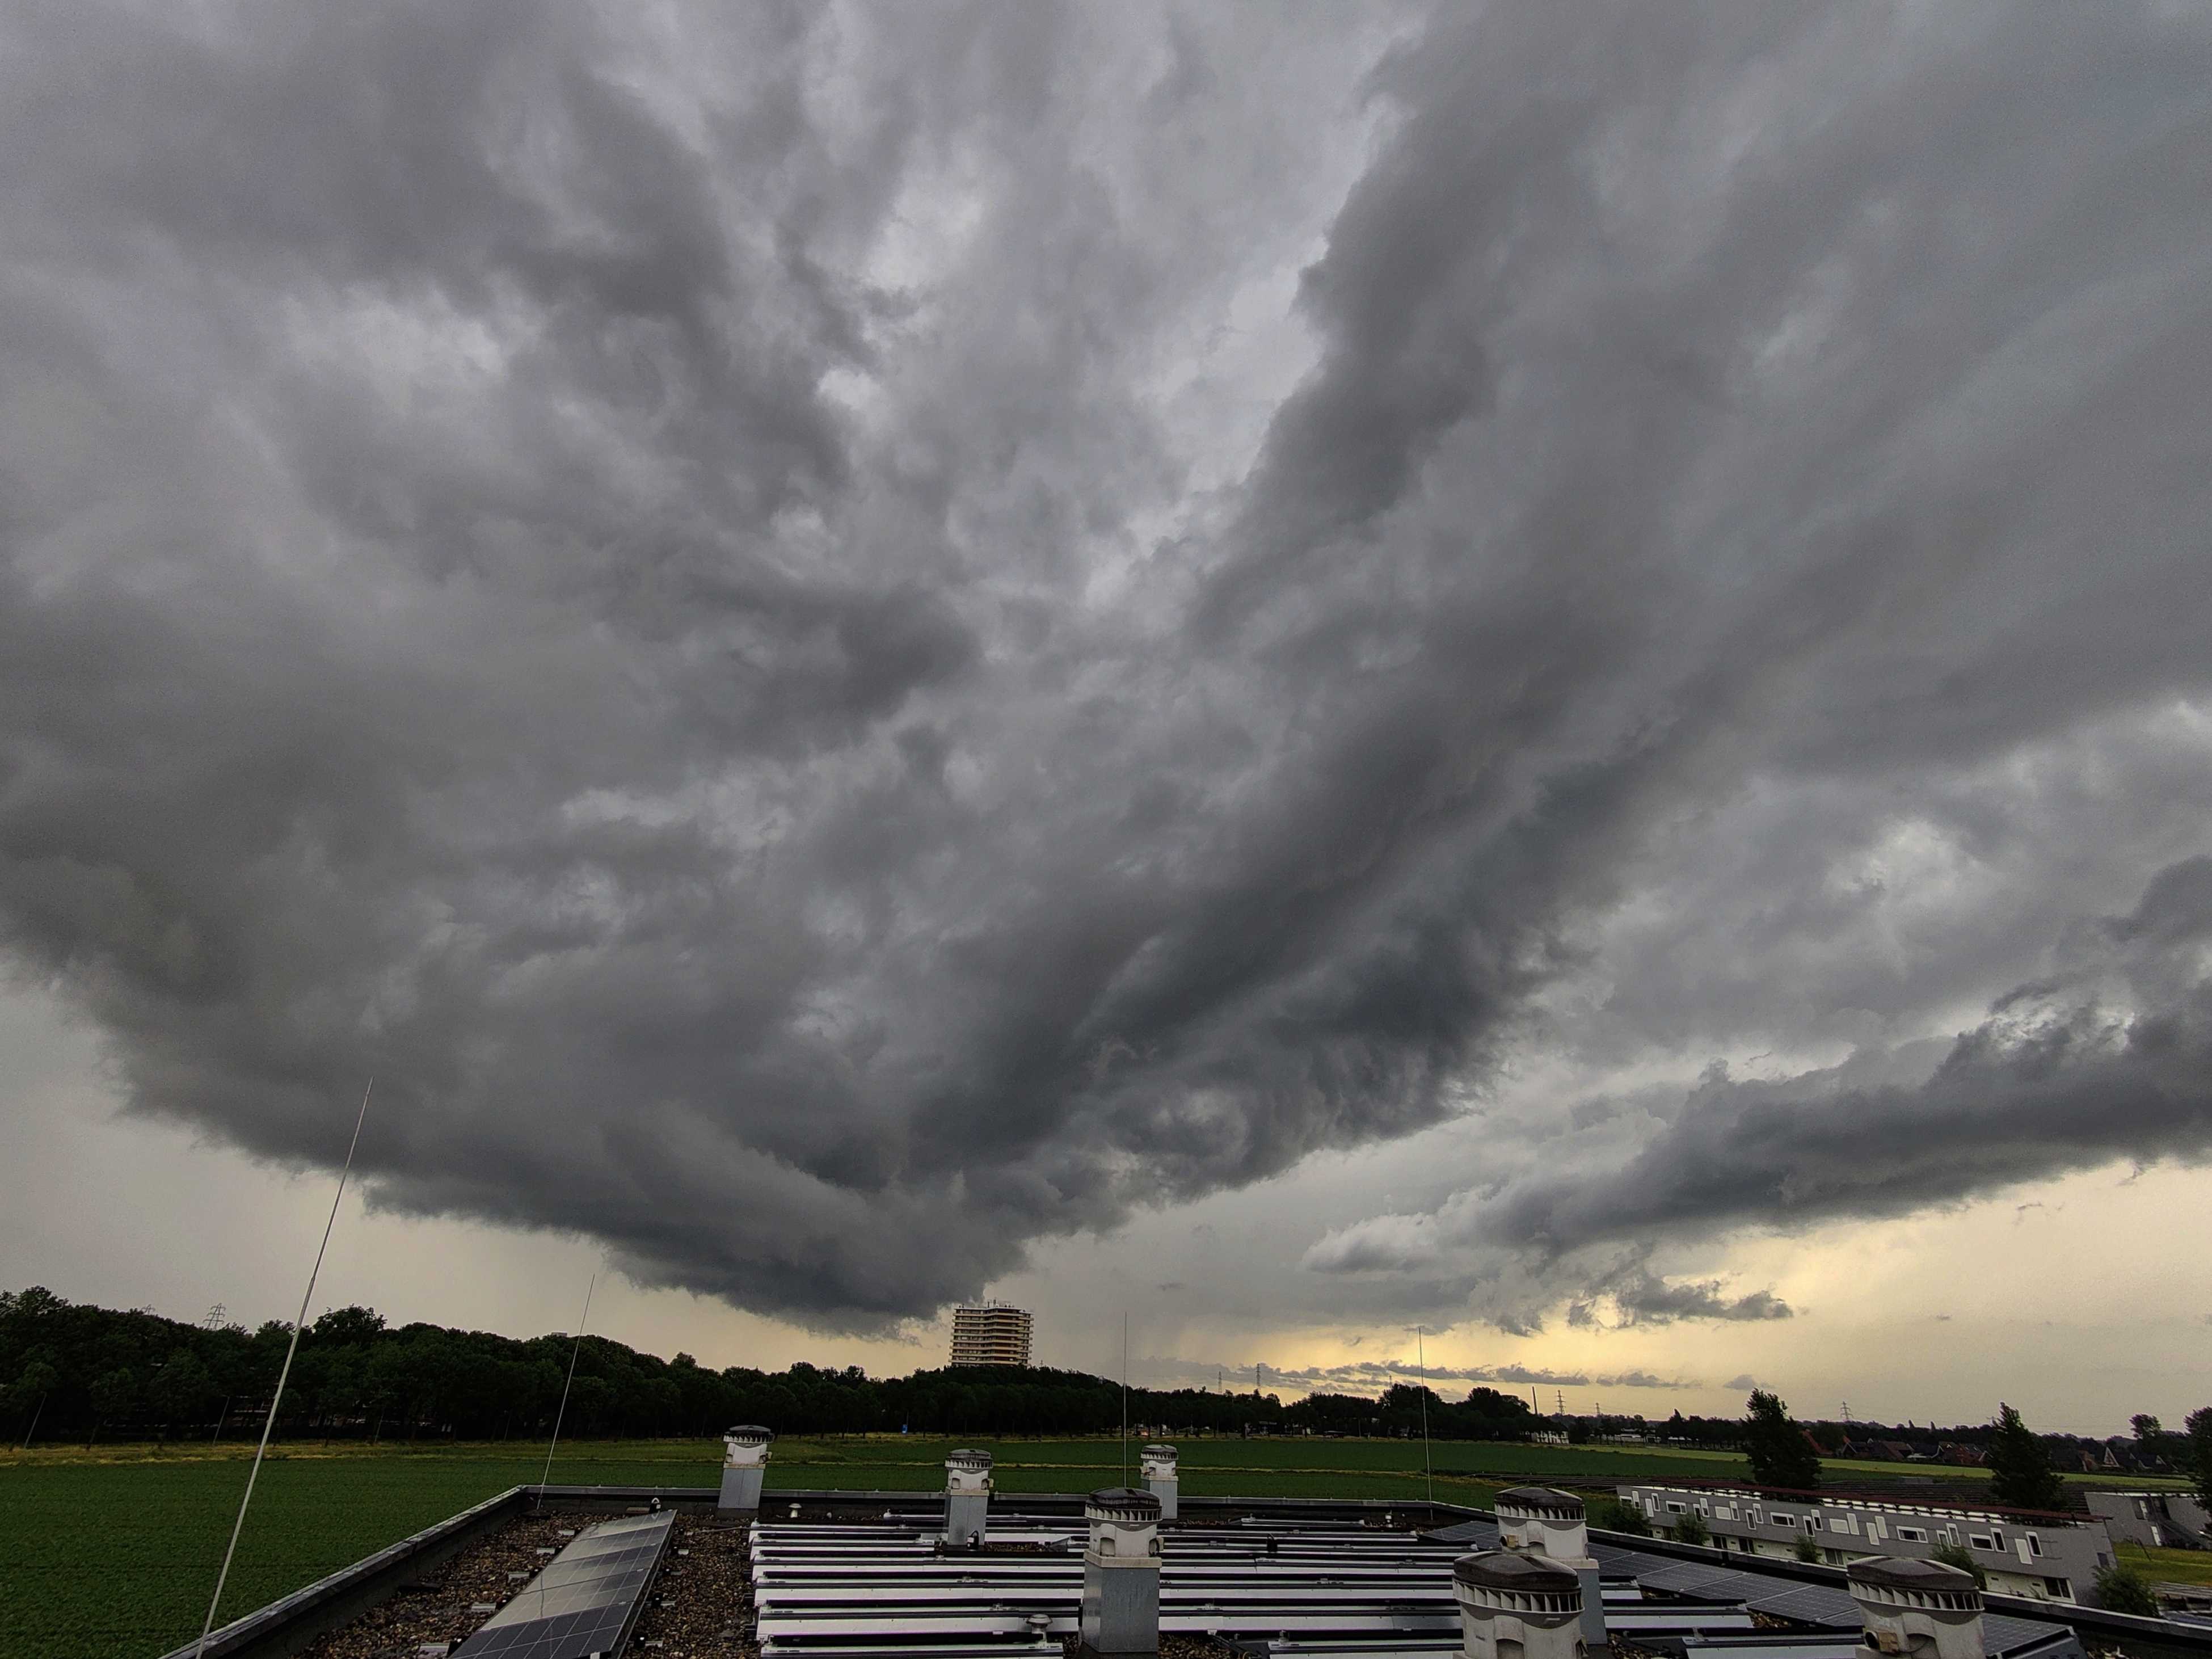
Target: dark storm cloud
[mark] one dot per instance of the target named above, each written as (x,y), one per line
(1647,1299)
(687,591)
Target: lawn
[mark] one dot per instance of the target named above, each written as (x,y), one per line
(2168,1566)
(113,1551)
(112,1554)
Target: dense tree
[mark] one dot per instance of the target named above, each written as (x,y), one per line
(1780,1454)
(113,1396)
(2197,1449)
(181,1391)
(2122,1590)
(1611,1514)
(34,1387)
(2019,1465)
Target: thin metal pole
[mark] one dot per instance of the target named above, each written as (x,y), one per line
(40,1411)
(277,1399)
(565,1387)
(1421,1361)
(1125,1397)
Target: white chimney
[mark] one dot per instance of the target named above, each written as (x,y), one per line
(1159,1466)
(1918,1609)
(1545,1521)
(1120,1611)
(744,1465)
(1513,1606)
(967,1497)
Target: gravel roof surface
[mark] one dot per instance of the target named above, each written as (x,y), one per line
(701,1606)
(702,1603)
(443,1606)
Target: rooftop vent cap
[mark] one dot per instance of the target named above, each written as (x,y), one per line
(968,1458)
(1898,1578)
(1127,1505)
(1510,1570)
(1539,1500)
(749,1434)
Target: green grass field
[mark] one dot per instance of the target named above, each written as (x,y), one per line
(114,1552)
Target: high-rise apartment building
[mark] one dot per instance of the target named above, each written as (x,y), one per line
(990,1333)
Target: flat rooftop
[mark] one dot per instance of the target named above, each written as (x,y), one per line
(829,1575)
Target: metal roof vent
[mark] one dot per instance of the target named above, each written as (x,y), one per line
(967,1497)
(1916,1608)
(744,1465)
(1158,1465)
(1512,1602)
(1545,1521)
(1120,1609)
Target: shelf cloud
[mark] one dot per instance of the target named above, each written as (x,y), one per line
(838,642)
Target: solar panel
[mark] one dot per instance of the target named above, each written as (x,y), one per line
(1476,1535)
(585,1601)
(1618,1561)
(2003,1636)
(1695,1578)
(1771,1646)
(1806,1604)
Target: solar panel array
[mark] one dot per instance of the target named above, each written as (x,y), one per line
(587,1600)
(885,1587)
(1314,1590)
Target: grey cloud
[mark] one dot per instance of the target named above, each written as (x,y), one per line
(725,606)
(1646,1300)
(1746,1380)
(2053,1081)
(1374,1375)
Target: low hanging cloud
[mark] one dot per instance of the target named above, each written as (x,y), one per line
(1371,1377)
(2110,1060)
(837,641)
(1649,1300)
(2048,1083)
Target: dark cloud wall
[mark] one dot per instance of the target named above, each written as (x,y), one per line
(692,592)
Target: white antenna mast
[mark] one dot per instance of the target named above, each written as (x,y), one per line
(565,1387)
(277,1399)
(1125,1396)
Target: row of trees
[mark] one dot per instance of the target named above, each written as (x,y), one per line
(72,1370)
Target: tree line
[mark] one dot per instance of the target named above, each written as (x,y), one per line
(75,1371)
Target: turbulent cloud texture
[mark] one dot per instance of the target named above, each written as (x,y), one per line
(837,640)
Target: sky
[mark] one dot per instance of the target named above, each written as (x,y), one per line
(1516,689)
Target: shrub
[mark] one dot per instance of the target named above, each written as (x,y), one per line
(1805,1549)
(1955,1555)
(1613,1515)
(2122,1590)
(1692,1529)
